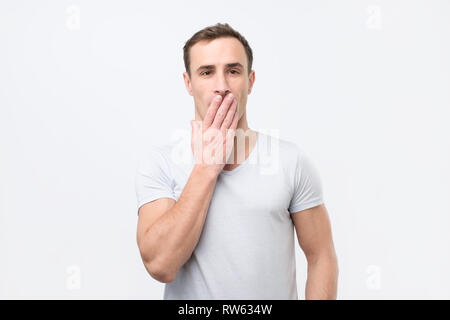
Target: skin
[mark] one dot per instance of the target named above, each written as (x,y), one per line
(169,230)
(227,72)
(314,235)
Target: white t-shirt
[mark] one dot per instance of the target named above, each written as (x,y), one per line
(246,248)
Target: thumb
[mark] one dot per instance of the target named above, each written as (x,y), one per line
(196,124)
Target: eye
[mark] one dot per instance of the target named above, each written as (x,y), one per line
(234,71)
(204,73)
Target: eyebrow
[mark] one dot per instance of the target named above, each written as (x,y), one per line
(228,65)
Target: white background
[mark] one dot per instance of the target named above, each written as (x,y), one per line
(86,86)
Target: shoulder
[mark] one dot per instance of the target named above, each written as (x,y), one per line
(171,156)
(154,157)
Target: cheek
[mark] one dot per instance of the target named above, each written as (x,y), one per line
(198,94)
(243,103)
(202,96)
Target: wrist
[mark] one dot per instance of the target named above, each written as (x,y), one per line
(206,170)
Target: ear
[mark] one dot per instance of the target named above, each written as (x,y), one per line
(251,81)
(187,82)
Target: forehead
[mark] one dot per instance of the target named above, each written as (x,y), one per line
(217,52)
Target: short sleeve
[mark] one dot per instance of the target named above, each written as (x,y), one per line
(153,179)
(307,189)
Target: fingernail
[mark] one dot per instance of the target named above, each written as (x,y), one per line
(218,98)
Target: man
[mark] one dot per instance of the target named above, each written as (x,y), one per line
(221,227)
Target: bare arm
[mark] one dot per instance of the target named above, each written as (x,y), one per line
(169,230)
(167,243)
(315,238)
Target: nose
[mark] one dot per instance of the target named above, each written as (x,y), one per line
(221,86)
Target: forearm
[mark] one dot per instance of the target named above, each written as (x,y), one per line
(174,236)
(321,283)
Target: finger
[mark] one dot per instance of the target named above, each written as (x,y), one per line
(230,132)
(211,112)
(230,115)
(195,125)
(222,111)
(235,121)
(195,140)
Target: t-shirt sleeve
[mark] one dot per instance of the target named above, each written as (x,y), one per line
(153,178)
(307,189)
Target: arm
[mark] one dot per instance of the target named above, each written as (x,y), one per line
(315,238)
(169,230)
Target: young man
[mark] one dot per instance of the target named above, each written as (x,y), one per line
(221,227)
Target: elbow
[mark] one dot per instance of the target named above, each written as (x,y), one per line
(159,272)
(154,266)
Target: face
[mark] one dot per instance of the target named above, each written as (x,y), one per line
(218,67)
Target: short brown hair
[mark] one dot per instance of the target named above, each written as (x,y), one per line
(213,32)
